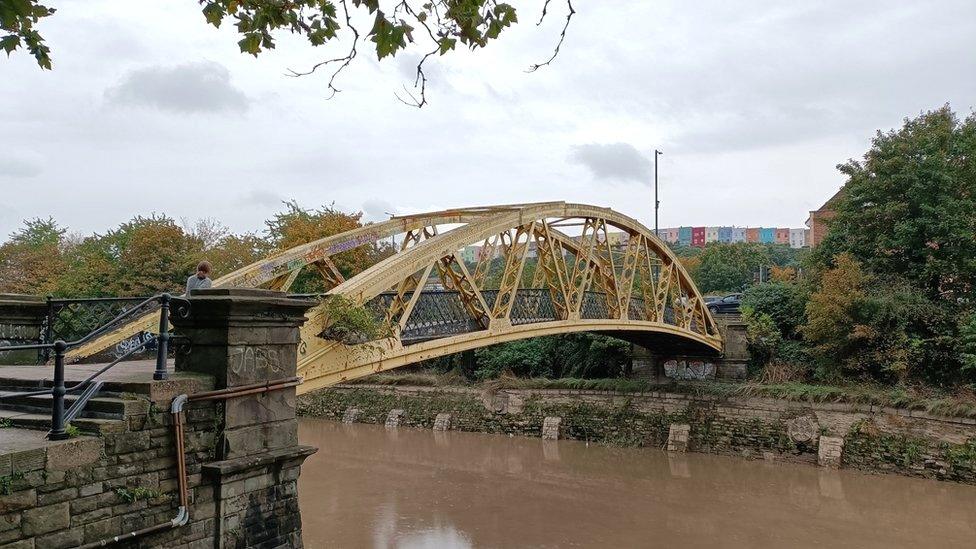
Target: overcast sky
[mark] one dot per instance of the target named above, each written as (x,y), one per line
(148,109)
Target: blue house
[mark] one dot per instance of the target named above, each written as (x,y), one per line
(725,234)
(767,236)
(684,235)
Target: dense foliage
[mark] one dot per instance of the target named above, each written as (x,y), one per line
(151,254)
(583,355)
(733,267)
(891,292)
(908,219)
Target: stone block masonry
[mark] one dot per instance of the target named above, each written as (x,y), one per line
(443,422)
(829,452)
(394,418)
(241,453)
(350,415)
(87,489)
(550,427)
(876,439)
(678,437)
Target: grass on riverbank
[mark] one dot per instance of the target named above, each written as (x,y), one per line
(961,404)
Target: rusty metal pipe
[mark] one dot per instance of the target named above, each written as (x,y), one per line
(252,391)
(232,390)
(176,409)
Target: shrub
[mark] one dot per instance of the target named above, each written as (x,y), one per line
(351,323)
(784,302)
(763,336)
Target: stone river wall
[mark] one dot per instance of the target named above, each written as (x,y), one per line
(832,434)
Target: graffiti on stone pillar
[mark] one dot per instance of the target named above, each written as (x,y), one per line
(689,369)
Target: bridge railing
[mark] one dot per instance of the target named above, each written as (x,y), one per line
(90,386)
(441,313)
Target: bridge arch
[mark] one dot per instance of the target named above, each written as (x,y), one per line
(532,278)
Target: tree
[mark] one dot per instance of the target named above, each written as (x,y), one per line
(570,355)
(32,260)
(832,315)
(226,252)
(435,27)
(907,217)
(730,267)
(143,256)
(784,302)
(909,208)
(763,336)
(296,226)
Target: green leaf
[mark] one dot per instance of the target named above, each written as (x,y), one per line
(9,43)
(251,43)
(214,14)
(446,44)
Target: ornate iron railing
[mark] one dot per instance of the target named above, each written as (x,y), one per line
(71,319)
(440,313)
(90,386)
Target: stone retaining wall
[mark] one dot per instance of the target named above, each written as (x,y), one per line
(871,438)
(92,488)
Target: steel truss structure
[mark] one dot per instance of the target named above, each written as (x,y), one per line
(531,278)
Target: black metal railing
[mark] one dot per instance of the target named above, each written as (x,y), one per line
(440,313)
(90,386)
(69,319)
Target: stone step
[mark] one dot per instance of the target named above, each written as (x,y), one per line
(42,422)
(104,406)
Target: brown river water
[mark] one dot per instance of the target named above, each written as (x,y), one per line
(376,488)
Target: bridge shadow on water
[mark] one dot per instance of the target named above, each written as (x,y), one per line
(373,487)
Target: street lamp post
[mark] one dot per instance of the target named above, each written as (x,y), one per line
(657,203)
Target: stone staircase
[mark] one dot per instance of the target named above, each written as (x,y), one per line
(105,413)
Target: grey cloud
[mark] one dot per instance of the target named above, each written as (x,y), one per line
(376,209)
(199,87)
(620,161)
(258,197)
(20,165)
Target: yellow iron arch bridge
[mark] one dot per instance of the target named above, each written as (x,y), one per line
(433,304)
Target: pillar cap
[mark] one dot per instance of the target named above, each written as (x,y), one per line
(236,306)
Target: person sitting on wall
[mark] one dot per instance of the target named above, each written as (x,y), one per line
(201,279)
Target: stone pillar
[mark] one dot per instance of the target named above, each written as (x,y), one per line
(394,418)
(242,337)
(642,364)
(829,451)
(350,415)
(21,321)
(733,364)
(550,427)
(678,437)
(443,422)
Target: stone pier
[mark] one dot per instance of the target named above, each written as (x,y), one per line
(242,337)
(119,473)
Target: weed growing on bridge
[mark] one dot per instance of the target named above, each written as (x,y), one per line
(352,324)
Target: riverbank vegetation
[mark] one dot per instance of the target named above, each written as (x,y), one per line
(960,402)
(890,295)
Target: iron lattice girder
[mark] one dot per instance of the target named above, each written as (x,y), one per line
(424,250)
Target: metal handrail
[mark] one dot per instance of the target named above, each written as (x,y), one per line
(58,391)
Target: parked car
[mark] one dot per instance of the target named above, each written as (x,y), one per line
(727,304)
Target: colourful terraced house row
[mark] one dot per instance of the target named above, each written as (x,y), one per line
(700,236)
